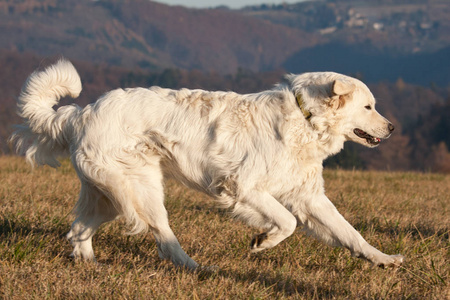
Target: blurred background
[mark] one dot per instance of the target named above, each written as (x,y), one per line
(400,48)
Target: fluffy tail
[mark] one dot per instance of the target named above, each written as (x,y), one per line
(46,133)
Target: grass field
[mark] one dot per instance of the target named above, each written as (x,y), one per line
(404,213)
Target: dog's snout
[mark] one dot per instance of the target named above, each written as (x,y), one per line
(391,127)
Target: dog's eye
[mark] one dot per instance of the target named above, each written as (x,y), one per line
(368,107)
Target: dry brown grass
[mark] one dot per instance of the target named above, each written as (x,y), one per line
(404,213)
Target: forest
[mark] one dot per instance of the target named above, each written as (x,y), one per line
(421,141)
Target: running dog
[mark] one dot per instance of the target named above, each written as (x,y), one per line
(260,155)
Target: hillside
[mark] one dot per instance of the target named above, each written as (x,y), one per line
(153,36)
(146,34)
(397,27)
(380,40)
(125,43)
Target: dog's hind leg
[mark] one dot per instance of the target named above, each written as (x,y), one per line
(259,209)
(93,209)
(150,189)
(323,221)
(133,184)
(140,192)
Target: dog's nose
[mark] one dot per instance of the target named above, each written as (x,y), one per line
(391,127)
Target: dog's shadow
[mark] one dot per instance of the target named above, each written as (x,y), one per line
(26,237)
(13,226)
(283,284)
(280,283)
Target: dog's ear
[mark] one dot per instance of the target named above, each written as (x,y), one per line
(340,93)
(341,87)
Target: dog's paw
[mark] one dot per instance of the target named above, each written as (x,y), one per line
(392,261)
(255,244)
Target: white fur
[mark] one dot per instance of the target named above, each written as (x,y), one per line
(254,153)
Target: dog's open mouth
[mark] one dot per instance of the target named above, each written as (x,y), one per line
(364,135)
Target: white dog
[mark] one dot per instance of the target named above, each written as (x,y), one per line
(260,154)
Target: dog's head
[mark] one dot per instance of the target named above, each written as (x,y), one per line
(341,105)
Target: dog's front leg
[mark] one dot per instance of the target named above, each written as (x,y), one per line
(327,224)
(260,209)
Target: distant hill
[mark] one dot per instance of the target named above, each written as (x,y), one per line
(378,40)
(146,34)
(152,36)
(394,26)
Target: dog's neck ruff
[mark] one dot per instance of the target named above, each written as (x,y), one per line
(307,114)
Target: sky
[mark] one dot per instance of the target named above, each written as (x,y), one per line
(229,3)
